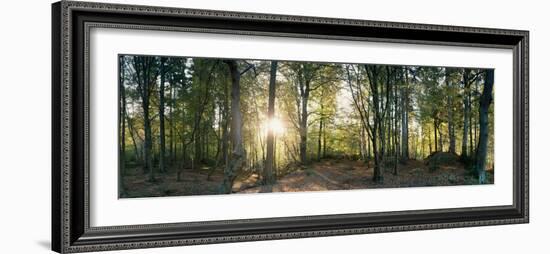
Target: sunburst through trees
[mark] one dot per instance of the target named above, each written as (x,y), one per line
(195,126)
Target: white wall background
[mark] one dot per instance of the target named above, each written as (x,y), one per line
(25,125)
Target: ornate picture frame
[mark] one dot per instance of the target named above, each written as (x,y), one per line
(71,229)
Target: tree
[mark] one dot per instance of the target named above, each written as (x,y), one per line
(304,75)
(161,108)
(379,112)
(405,115)
(484,103)
(122,126)
(269,177)
(146,75)
(466,105)
(450,110)
(371,101)
(237,153)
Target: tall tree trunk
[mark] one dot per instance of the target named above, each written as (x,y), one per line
(484,104)
(237,153)
(466,105)
(148,143)
(132,135)
(378,129)
(319,147)
(324,142)
(430,143)
(440,136)
(435,133)
(225,131)
(471,129)
(303,123)
(162,150)
(171,127)
(405,118)
(122,129)
(450,119)
(143,66)
(362,143)
(395,130)
(377,174)
(197,140)
(422,143)
(368,145)
(268,169)
(375,130)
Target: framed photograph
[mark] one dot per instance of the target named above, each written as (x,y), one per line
(181,126)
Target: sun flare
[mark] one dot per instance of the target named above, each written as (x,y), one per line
(275,125)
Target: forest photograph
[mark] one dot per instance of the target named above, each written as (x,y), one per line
(207,126)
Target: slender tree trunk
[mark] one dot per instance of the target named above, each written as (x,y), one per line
(450,117)
(405,119)
(122,129)
(405,130)
(484,104)
(466,124)
(197,142)
(430,143)
(324,142)
(162,136)
(132,135)
(395,130)
(377,175)
(143,66)
(368,146)
(238,153)
(377,125)
(303,124)
(423,143)
(320,135)
(470,115)
(171,127)
(435,134)
(363,143)
(148,138)
(440,136)
(268,169)
(225,131)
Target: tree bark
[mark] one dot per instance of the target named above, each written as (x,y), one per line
(435,133)
(466,105)
(450,119)
(143,66)
(162,136)
(405,119)
(238,153)
(484,104)
(324,142)
(319,144)
(137,153)
(395,130)
(122,130)
(225,131)
(377,125)
(171,127)
(268,169)
(470,115)
(303,123)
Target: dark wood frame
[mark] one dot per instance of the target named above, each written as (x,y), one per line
(71,22)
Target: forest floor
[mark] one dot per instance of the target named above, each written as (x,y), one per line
(329,174)
(348,175)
